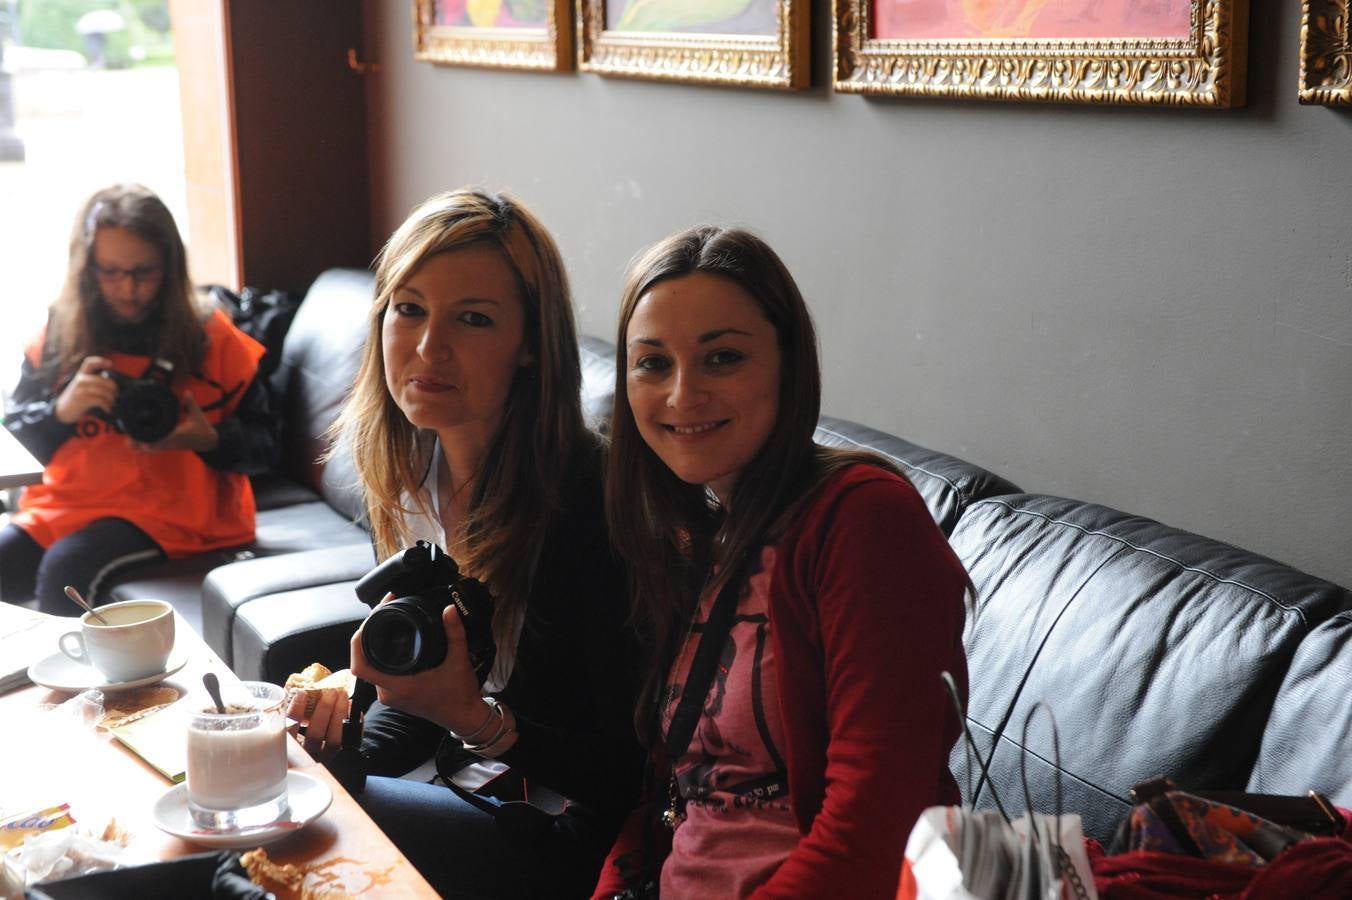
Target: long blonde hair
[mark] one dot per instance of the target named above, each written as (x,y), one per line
(542,425)
(72,332)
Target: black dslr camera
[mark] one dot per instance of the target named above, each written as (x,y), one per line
(146,409)
(406,635)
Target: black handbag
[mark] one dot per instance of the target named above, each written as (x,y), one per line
(264,316)
(203,876)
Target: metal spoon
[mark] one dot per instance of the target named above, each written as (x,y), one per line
(214,689)
(75,595)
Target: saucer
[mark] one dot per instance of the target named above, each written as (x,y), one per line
(61,673)
(307,796)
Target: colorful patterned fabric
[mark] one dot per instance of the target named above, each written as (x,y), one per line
(1178,822)
(1300,866)
(1148,832)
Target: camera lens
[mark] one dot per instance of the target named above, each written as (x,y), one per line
(147,411)
(399,638)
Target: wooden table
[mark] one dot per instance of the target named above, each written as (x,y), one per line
(48,758)
(17,465)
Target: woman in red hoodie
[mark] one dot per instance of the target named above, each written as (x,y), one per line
(821,730)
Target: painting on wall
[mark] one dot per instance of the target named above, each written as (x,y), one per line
(754,43)
(1167,52)
(1325,53)
(512,34)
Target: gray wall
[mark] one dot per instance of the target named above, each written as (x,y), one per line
(1147,308)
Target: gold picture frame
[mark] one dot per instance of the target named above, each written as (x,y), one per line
(445,33)
(772,54)
(1325,53)
(1203,66)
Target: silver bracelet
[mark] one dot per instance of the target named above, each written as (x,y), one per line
(488,719)
(505,728)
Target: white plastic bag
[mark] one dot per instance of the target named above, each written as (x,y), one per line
(1068,845)
(66,853)
(958,854)
(931,870)
(12,885)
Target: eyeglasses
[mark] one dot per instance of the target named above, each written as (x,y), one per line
(139,275)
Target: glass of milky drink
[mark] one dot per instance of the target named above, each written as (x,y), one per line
(237,759)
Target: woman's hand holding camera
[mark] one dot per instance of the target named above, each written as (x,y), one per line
(89,390)
(447,694)
(86,391)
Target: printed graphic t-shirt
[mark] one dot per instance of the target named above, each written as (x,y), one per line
(739,825)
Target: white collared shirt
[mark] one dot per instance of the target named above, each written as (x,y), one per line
(421,528)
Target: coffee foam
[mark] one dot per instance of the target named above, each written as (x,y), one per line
(126,615)
(231,709)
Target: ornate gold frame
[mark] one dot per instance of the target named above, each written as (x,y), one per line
(549,49)
(1205,69)
(748,61)
(1325,53)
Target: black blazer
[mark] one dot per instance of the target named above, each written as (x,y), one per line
(573,687)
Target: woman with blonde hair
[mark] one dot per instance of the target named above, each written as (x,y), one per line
(800,601)
(125,484)
(466,428)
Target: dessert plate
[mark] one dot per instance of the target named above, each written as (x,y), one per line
(308,797)
(61,673)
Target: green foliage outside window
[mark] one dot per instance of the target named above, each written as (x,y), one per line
(51,24)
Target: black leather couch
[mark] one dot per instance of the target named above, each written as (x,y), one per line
(1158,651)
(304,505)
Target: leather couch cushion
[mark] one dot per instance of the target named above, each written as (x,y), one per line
(285,530)
(274,491)
(178,581)
(598,381)
(303,526)
(1158,651)
(285,632)
(319,363)
(947,484)
(1306,745)
(229,587)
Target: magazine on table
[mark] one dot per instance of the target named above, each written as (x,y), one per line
(26,636)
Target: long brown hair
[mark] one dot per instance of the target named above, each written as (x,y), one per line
(542,425)
(72,332)
(672,533)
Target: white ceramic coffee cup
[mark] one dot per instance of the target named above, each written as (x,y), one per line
(134,644)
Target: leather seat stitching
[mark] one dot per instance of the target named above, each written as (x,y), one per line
(860,444)
(1028,670)
(1126,543)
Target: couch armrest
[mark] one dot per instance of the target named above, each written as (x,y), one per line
(283,633)
(230,587)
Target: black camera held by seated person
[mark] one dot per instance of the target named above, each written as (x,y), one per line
(146,409)
(406,635)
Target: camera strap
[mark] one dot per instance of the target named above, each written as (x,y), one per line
(348,766)
(363,695)
(713,638)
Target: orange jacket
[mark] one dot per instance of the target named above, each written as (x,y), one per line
(184,504)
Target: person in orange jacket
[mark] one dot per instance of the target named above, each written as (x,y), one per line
(132,473)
